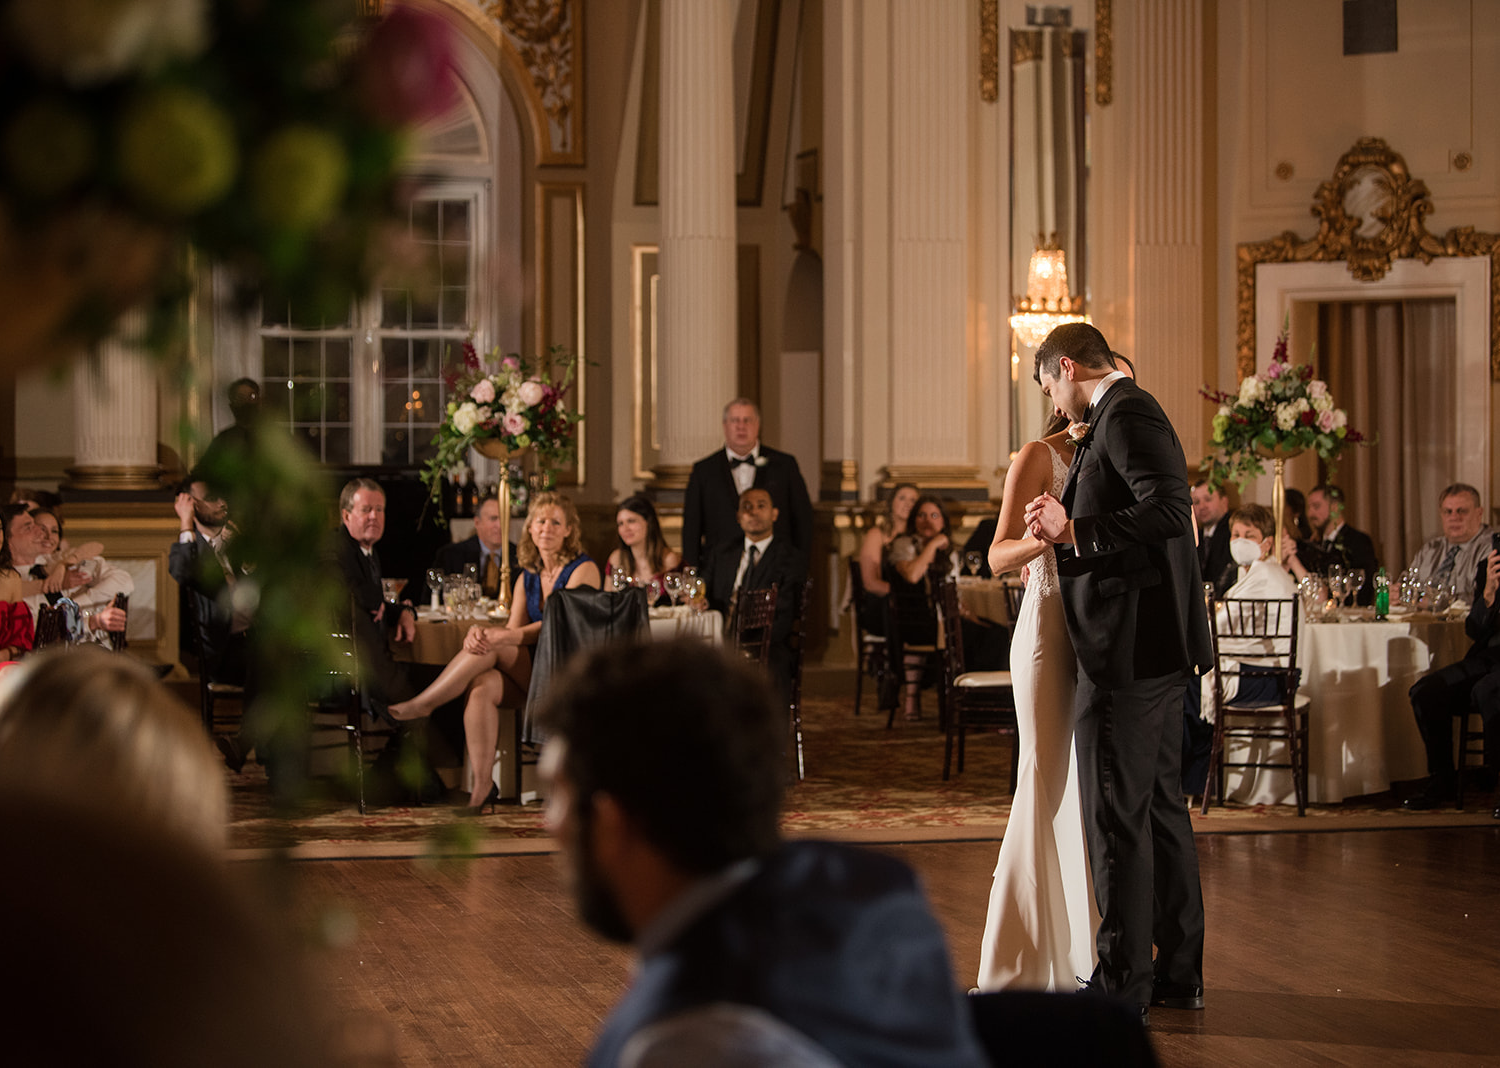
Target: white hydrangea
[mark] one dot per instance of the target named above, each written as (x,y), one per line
(1225,410)
(1288,414)
(466,418)
(1322,402)
(1252,391)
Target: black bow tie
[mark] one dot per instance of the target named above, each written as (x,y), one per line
(735,461)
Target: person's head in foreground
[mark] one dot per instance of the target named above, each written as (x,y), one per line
(663,773)
(82,723)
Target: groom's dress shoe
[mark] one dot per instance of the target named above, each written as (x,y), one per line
(1176,995)
(1435,796)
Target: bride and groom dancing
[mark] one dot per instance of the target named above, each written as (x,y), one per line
(1111,629)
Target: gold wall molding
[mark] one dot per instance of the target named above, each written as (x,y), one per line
(839,480)
(547,37)
(1104,52)
(1370,213)
(645,280)
(1025,46)
(560,293)
(989,50)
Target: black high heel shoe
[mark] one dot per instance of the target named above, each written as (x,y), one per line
(490,801)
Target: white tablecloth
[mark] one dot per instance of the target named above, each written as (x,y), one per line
(683,622)
(1362,735)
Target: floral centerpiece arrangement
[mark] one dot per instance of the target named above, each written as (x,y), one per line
(1280,412)
(504,405)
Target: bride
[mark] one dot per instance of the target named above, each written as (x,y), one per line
(1042,918)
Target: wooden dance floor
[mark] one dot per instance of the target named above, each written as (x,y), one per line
(1338,948)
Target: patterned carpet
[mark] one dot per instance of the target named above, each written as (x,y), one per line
(863,783)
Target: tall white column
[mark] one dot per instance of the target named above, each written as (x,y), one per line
(929,273)
(840,475)
(697,358)
(114,415)
(1171,283)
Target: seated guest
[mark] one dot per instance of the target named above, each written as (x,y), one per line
(80,574)
(919,559)
(1299,556)
(83,723)
(1455,554)
(1211,512)
(362,515)
(760,559)
(1252,530)
(874,552)
(200,563)
(1471,685)
(494,667)
(751,950)
(16,623)
(641,552)
(1339,543)
(482,548)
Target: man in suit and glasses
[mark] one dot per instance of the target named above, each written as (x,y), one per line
(710,507)
(1133,596)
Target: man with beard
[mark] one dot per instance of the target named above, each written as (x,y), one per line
(664,779)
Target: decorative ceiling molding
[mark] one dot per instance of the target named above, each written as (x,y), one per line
(989,50)
(1370,213)
(547,36)
(1104,53)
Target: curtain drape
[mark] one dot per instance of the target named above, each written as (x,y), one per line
(1391,365)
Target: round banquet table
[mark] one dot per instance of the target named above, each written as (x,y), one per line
(1362,734)
(440,637)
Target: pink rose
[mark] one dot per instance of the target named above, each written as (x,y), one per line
(404,73)
(1325,422)
(484,392)
(1274,371)
(513,423)
(530,392)
(510,363)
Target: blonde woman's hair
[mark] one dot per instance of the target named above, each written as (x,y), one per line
(527,554)
(83,721)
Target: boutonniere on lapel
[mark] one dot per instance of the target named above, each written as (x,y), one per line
(760,461)
(1080,434)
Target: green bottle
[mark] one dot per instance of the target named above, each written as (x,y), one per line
(1382,594)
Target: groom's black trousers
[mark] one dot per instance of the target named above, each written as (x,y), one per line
(1145,866)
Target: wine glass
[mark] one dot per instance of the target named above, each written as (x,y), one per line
(471,571)
(1335,580)
(973,560)
(689,572)
(695,591)
(672,583)
(435,584)
(653,591)
(1354,581)
(619,581)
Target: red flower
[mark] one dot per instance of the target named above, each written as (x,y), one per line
(1307,418)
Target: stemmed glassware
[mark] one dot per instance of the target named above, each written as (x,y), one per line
(1314,597)
(1354,581)
(672,583)
(693,588)
(620,581)
(1335,579)
(973,560)
(653,591)
(435,584)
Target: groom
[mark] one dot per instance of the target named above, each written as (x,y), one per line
(1134,602)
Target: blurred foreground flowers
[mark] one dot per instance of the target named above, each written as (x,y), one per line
(265,134)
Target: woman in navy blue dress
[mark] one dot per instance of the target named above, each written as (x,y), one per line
(494,667)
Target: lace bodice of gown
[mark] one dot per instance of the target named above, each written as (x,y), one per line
(1043,578)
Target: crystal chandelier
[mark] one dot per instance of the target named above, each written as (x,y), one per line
(1046,304)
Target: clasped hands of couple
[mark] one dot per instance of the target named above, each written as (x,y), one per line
(1047,520)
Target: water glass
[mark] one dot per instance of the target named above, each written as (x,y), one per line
(672,583)
(435,584)
(1354,582)
(653,591)
(973,560)
(619,581)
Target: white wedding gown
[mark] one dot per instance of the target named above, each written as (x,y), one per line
(1042,921)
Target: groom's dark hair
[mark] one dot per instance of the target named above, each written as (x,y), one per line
(1079,342)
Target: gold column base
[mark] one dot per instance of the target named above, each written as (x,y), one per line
(669,478)
(115,477)
(839,480)
(959,481)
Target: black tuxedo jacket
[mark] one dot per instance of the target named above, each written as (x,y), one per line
(450,559)
(1132,589)
(1217,565)
(382,679)
(710,506)
(1352,548)
(781,564)
(200,580)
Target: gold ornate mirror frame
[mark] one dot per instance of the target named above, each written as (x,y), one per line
(1370,213)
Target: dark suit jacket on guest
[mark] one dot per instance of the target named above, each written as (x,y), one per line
(712,502)
(979,542)
(1131,585)
(382,680)
(1213,557)
(1352,548)
(200,578)
(781,564)
(450,559)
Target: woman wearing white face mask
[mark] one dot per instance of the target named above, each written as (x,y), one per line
(1251,530)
